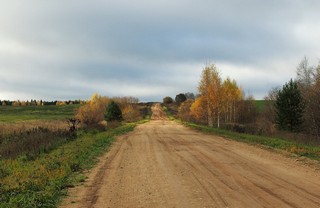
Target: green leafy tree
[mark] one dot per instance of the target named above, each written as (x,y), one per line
(113,112)
(289,107)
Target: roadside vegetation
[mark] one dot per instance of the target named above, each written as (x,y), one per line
(291,146)
(44,149)
(27,182)
(287,119)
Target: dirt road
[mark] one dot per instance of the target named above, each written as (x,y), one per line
(164,164)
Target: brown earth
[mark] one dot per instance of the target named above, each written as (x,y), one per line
(164,164)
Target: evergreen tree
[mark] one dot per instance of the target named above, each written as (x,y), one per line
(180,98)
(113,112)
(289,107)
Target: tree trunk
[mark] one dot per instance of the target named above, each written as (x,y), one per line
(218,118)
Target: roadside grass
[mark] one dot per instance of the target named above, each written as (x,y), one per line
(26,113)
(309,151)
(43,181)
(169,113)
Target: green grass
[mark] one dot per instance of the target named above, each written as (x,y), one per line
(309,151)
(260,104)
(43,181)
(27,113)
(168,112)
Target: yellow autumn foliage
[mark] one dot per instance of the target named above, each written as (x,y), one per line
(92,113)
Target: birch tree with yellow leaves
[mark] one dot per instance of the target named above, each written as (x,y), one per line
(210,93)
(231,94)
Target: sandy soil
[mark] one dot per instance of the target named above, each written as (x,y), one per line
(164,164)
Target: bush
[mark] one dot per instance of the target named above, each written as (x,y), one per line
(167,100)
(92,113)
(184,112)
(113,112)
(131,113)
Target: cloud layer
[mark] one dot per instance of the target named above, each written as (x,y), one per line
(150,49)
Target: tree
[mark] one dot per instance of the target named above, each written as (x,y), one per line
(289,107)
(308,79)
(304,73)
(180,98)
(167,100)
(190,96)
(269,112)
(247,111)
(209,89)
(198,110)
(16,103)
(231,94)
(113,112)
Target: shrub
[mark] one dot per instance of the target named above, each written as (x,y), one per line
(129,108)
(131,113)
(92,113)
(113,112)
(184,112)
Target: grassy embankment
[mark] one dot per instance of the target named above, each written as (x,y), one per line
(42,180)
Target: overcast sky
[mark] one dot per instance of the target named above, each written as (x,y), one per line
(70,49)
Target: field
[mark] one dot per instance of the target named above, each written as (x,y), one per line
(28,113)
(260,104)
(40,159)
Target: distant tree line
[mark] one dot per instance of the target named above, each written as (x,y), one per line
(39,102)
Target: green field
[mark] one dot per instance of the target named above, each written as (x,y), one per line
(27,113)
(260,104)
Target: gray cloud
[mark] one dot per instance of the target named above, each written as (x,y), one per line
(149,49)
